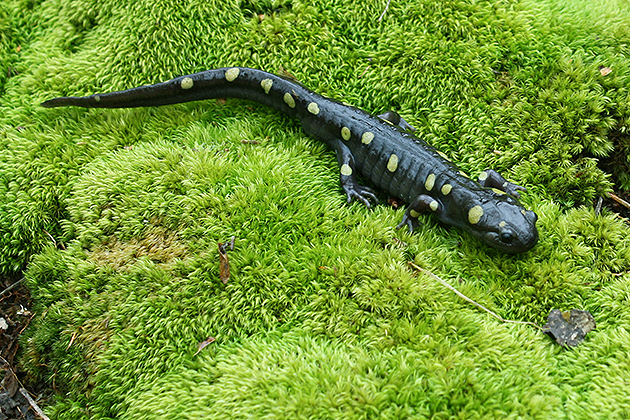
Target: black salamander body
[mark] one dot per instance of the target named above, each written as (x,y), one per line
(392,158)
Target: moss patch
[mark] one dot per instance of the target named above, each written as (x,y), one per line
(116,214)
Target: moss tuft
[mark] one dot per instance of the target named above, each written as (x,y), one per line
(116,214)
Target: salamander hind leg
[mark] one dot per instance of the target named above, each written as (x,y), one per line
(422,204)
(347,177)
(492,179)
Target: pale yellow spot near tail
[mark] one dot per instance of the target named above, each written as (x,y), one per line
(232,74)
(446,189)
(483,176)
(313,108)
(186,83)
(430,182)
(433,205)
(367,137)
(345,133)
(266,84)
(474,215)
(414,214)
(97,98)
(346,169)
(288,99)
(502,223)
(392,163)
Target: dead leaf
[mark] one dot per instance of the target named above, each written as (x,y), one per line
(224,263)
(10,383)
(605,71)
(204,344)
(569,328)
(286,73)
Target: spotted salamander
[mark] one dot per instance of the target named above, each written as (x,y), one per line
(381,149)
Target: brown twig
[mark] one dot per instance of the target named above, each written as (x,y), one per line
(619,200)
(467,299)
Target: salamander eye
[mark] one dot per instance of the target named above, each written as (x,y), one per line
(506,236)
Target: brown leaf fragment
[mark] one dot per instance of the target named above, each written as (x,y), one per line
(394,202)
(10,382)
(569,328)
(204,344)
(286,73)
(224,263)
(605,71)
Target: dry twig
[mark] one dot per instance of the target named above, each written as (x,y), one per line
(384,11)
(467,299)
(619,200)
(13,286)
(33,404)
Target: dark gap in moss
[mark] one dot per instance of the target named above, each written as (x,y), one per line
(617,163)
(251,8)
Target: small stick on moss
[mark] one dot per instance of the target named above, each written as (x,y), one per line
(619,200)
(13,286)
(466,298)
(33,404)
(384,11)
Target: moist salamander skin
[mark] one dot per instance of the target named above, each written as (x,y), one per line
(381,149)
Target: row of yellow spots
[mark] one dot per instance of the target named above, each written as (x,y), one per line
(474,214)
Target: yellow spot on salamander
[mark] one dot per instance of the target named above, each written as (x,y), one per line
(474,215)
(313,108)
(483,176)
(498,191)
(232,74)
(288,99)
(346,169)
(433,205)
(367,137)
(430,182)
(186,83)
(502,223)
(392,163)
(524,212)
(414,214)
(446,189)
(97,98)
(345,133)
(266,84)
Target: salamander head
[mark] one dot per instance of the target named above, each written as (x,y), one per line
(503,224)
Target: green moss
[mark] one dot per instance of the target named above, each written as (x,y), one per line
(116,214)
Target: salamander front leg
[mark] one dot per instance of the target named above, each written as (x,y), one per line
(396,119)
(493,179)
(347,177)
(422,204)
